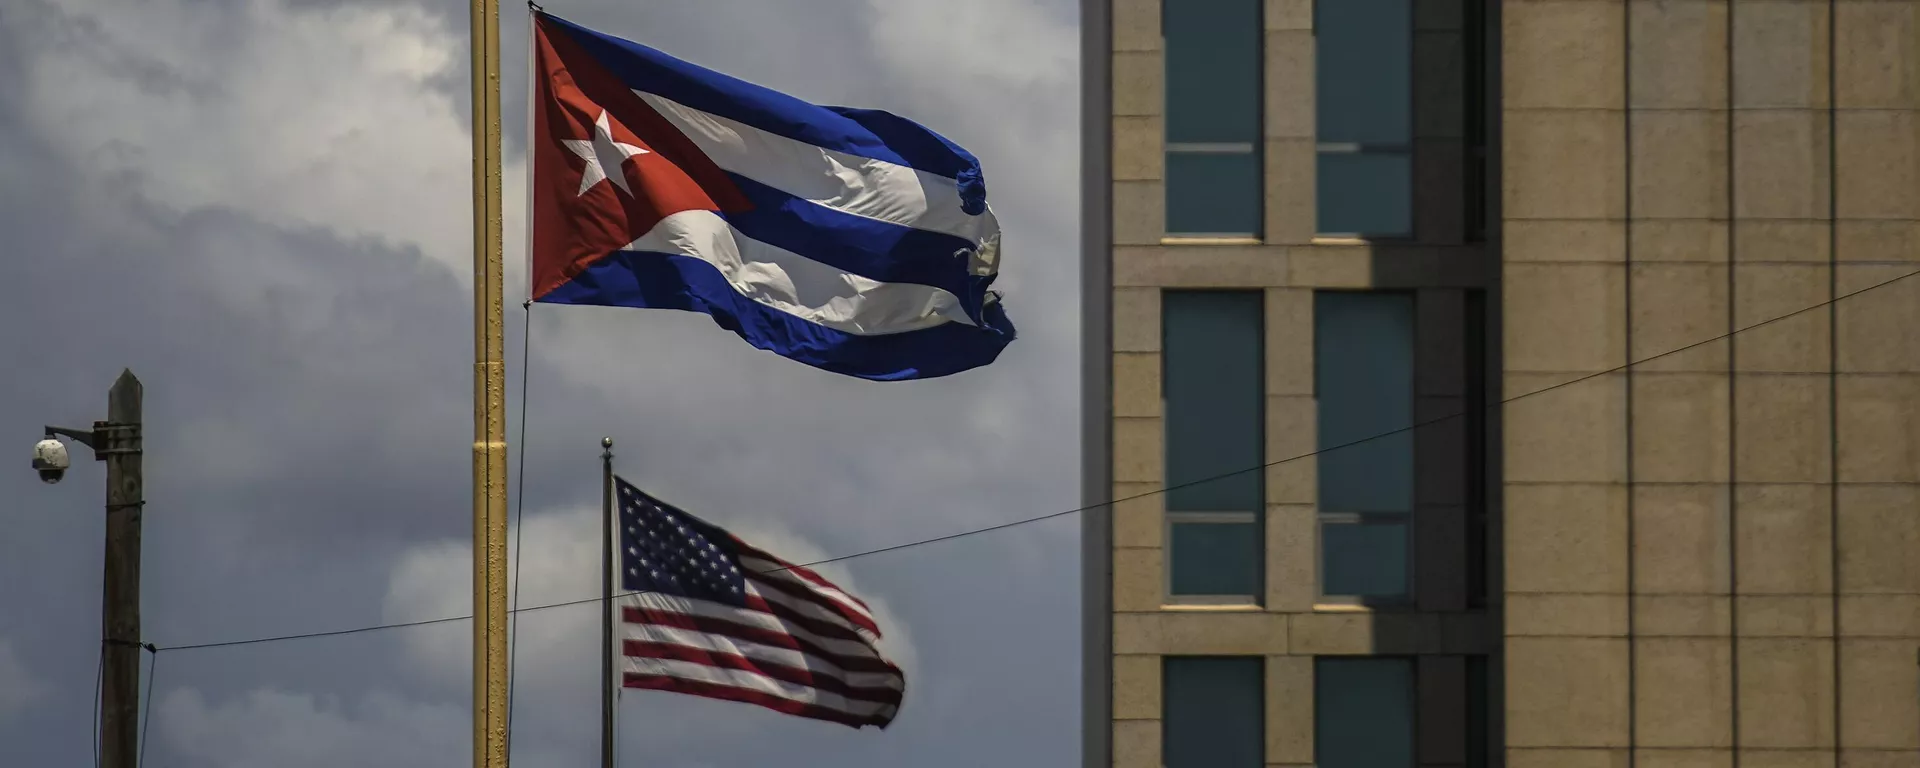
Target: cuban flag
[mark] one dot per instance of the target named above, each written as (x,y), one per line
(852,240)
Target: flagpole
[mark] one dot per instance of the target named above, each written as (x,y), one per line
(489,400)
(606,602)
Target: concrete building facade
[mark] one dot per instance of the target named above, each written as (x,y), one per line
(1502,382)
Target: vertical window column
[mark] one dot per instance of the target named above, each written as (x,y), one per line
(1480,707)
(1478,173)
(1477,413)
(1363,88)
(1213,382)
(1213,140)
(1363,389)
(1214,713)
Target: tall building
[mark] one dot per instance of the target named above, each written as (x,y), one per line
(1502,382)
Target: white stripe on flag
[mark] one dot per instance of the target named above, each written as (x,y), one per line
(754,681)
(770,570)
(805,607)
(875,189)
(713,643)
(800,286)
(751,618)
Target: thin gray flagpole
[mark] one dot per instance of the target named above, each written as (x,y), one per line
(606,602)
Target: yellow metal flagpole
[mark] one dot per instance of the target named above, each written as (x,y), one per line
(489,402)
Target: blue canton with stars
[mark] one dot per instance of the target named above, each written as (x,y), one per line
(665,550)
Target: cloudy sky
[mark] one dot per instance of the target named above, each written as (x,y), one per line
(261,207)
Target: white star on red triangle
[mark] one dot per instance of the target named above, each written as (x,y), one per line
(606,158)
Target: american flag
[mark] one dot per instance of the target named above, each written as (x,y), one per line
(711,615)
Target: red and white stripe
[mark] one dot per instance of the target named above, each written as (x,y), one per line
(801,646)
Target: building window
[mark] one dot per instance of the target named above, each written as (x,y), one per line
(1213,114)
(1363,386)
(1363,713)
(1213,382)
(1213,713)
(1363,86)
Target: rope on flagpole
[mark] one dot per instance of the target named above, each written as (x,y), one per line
(526,365)
(519,520)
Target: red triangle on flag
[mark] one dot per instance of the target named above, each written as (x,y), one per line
(644,170)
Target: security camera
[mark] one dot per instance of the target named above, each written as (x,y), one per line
(50,460)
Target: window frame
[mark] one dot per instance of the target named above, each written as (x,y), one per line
(1408,597)
(1258,676)
(1170,517)
(1378,149)
(1412,666)
(1254,149)
(1192,517)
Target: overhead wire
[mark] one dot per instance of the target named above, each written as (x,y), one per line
(1109,503)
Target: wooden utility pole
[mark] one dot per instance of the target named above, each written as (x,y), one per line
(117,441)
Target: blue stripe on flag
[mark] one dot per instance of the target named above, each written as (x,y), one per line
(881,250)
(662,281)
(862,132)
(914,140)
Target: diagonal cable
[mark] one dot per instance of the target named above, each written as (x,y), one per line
(1077,510)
